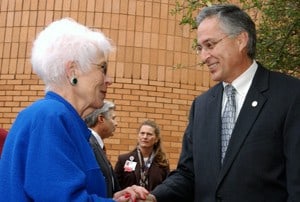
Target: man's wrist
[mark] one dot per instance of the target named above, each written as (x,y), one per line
(151,197)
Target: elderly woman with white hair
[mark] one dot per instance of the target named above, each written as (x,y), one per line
(47,156)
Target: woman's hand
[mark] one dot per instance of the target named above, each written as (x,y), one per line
(131,194)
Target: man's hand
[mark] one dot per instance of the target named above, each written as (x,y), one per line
(131,194)
(149,198)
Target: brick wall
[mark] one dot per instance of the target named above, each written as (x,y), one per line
(150,43)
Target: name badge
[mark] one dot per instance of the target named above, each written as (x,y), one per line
(129,166)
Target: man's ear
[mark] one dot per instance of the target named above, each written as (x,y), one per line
(100,119)
(242,40)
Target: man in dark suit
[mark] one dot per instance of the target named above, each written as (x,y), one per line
(102,123)
(242,146)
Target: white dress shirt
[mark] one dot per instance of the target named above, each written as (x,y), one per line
(98,138)
(241,85)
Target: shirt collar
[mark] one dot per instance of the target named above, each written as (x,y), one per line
(98,138)
(243,82)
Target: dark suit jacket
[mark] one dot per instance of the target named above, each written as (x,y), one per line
(262,162)
(112,183)
(156,173)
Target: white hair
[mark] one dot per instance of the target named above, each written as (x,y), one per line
(66,41)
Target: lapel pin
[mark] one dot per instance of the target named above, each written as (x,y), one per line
(131,158)
(254,103)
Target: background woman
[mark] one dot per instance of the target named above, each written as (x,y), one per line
(146,165)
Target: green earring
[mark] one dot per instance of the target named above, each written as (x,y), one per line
(74,81)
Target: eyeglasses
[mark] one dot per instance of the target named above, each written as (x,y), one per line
(102,66)
(208,45)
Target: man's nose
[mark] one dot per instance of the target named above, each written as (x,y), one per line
(204,55)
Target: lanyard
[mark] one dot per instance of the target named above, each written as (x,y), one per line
(144,168)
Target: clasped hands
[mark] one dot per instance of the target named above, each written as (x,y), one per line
(134,193)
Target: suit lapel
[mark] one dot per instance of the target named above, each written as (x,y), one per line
(214,107)
(100,152)
(101,159)
(251,108)
(96,146)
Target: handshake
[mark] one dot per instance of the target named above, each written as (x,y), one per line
(149,198)
(134,193)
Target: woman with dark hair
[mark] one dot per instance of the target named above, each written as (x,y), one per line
(146,165)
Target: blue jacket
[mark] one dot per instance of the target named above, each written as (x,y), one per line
(47,157)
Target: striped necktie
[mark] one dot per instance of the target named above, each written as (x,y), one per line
(228,118)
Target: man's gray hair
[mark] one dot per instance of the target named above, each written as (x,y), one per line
(92,118)
(233,21)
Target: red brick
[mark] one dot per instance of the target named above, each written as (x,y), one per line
(149,44)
